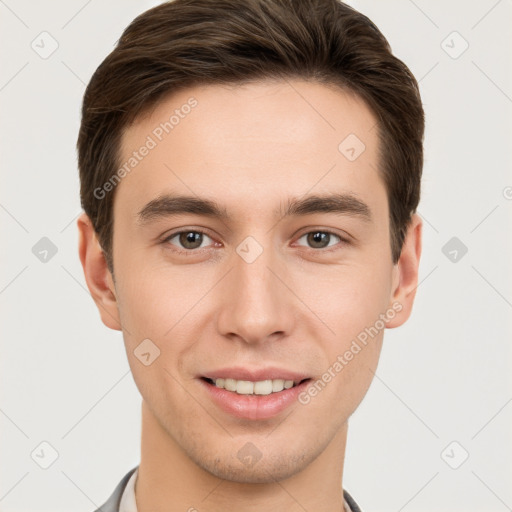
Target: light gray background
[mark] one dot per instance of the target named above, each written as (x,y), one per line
(444,376)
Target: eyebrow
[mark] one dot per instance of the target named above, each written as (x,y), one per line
(168,205)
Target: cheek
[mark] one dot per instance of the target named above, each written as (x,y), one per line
(351,304)
(348,298)
(158,316)
(152,301)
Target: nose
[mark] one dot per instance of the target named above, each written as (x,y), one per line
(255,302)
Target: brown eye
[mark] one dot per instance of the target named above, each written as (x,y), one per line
(188,240)
(320,239)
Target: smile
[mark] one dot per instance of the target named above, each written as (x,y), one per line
(247,387)
(253,395)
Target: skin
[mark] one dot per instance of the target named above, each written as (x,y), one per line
(250,148)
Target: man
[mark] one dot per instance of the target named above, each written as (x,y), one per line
(250,172)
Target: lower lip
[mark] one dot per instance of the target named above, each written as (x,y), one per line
(253,407)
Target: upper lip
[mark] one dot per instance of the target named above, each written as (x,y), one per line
(255,374)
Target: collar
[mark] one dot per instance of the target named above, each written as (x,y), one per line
(123,497)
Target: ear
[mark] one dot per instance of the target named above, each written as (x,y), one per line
(406,273)
(98,277)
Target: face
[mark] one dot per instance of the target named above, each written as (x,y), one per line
(278,288)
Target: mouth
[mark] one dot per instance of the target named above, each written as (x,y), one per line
(248,387)
(253,395)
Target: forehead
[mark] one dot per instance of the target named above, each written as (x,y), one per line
(252,142)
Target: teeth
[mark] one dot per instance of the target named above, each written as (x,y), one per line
(277,385)
(263,387)
(229,384)
(247,387)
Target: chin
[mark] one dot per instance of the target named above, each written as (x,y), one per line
(252,459)
(265,471)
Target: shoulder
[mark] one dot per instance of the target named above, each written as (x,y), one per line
(354,507)
(112,504)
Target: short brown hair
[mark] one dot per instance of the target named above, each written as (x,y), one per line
(182,43)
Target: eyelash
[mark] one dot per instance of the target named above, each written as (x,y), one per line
(192,252)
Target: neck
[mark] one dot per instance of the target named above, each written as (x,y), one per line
(168,480)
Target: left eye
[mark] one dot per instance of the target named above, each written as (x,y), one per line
(189,239)
(320,239)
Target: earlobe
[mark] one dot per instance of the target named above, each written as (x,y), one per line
(97,275)
(406,278)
